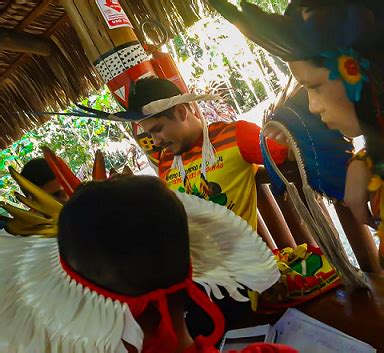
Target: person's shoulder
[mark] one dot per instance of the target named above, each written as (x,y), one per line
(221,125)
(220,128)
(243,124)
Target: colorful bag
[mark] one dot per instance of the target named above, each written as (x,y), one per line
(305,274)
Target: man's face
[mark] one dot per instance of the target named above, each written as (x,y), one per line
(56,190)
(171,132)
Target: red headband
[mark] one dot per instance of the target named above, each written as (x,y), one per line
(165,336)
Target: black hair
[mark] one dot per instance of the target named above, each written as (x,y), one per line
(370,108)
(38,172)
(128,234)
(151,89)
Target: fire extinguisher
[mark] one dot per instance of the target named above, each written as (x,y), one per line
(162,63)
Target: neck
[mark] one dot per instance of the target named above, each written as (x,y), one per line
(177,314)
(196,129)
(150,319)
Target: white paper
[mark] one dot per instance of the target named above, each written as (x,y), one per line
(233,338)
(309,335)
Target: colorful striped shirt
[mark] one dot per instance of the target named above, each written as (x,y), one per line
(231,181)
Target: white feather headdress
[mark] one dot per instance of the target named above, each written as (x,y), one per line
(43,310)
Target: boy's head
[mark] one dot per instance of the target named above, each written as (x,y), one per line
(38,172)
(176,128)
(128,234)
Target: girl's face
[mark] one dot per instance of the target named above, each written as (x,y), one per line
(327,98)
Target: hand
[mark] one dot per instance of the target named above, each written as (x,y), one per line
(275,134)
(356,194)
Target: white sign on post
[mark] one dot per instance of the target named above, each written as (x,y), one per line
(113,14)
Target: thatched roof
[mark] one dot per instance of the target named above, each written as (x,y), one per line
(54,71)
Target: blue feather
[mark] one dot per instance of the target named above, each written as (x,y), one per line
(325,153)
(87,112)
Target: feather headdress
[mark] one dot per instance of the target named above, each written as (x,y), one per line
(154,107)
(325,153)
(335,24)
(46,306)
(221,242)
(322,156)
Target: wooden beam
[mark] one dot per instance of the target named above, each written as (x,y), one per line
(37,11)
(24,43)
(20,60)
(24,57)
(61,22)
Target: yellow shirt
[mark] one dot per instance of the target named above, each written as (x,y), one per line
(231,181)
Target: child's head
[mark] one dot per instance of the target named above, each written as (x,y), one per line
(38,172)
(128,235)
(117,273)
(334,48)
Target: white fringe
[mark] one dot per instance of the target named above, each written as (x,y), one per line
(178,164)
(313,217)
(208,153)
(226,251)
(208,157)
(43,310)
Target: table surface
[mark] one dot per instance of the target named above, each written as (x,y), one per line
(359,313)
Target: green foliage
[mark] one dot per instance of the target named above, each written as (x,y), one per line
(271,5)
(75,139)
(214,51)
(213,58)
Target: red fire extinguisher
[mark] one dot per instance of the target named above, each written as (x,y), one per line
(162,63)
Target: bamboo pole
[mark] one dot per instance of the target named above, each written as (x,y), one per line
(111,45)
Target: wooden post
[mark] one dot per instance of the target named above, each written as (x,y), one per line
(273,218)
(361,240)
(263,231)
(109,43)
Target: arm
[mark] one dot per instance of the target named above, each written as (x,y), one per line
(248,140)
(356,195)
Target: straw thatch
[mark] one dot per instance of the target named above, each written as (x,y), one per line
(174,15)
(30,82)
(35,82)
